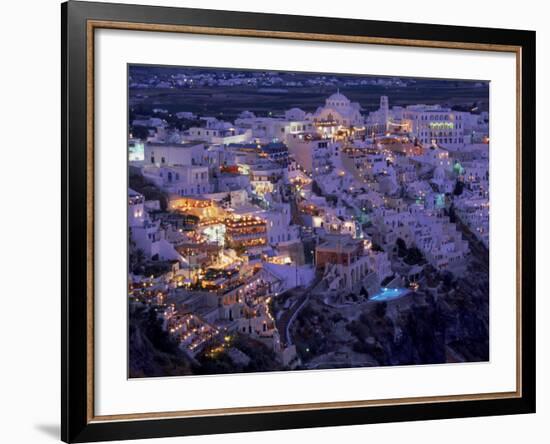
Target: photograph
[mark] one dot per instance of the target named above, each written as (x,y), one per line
(274,222)
(283,221)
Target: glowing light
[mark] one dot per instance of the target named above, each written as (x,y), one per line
(442,125)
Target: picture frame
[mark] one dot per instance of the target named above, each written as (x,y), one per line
(80,22)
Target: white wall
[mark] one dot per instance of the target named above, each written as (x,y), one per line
(29,82)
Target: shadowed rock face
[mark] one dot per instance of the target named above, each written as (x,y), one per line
(419,329)
(151,351)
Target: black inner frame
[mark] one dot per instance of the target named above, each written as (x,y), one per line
(74,423)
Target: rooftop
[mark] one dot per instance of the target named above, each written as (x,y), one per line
(188,144)
(344,244)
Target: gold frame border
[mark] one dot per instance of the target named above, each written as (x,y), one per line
(92,25)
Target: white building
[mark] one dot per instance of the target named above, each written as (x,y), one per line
(378,121)
(279,230)
(430,124)
(474,213)
(164,154)
(146,234)
(183,180)
(222,133)
(343,261)
(312,152)
(339,110)
(269,129)
(433,124)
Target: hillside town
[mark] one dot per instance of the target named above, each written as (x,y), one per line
(267,242)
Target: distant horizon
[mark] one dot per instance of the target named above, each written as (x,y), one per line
(273,97)
(198,69)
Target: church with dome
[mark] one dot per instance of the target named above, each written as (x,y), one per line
(339,110)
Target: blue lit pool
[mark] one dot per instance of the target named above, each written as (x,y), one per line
(389,294)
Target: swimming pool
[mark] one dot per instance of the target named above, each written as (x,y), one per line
(388,294)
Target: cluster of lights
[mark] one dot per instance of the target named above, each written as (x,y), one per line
(442,125)
(246,221)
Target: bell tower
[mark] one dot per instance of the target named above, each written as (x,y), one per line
(385,110)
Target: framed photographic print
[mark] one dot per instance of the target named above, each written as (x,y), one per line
(275,221)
